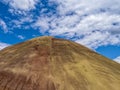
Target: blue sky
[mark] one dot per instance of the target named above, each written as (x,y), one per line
(93,23)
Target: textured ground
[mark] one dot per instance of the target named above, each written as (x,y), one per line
(46,63)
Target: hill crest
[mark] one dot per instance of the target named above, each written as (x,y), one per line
(48,63)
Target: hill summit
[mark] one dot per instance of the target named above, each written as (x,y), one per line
(48,63)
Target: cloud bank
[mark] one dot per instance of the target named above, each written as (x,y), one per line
(117,59)
(3,45)
(3,26)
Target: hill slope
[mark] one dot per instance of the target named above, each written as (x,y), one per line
(47,63)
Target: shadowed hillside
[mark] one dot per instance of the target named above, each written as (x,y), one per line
(47,63)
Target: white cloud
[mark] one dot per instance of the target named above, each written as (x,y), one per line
(87,6)
(23,4)
(3,45)
(42,23)
(20,22)
(20,7)
(3,25)
(103,22)
(117,59)
(21,37)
